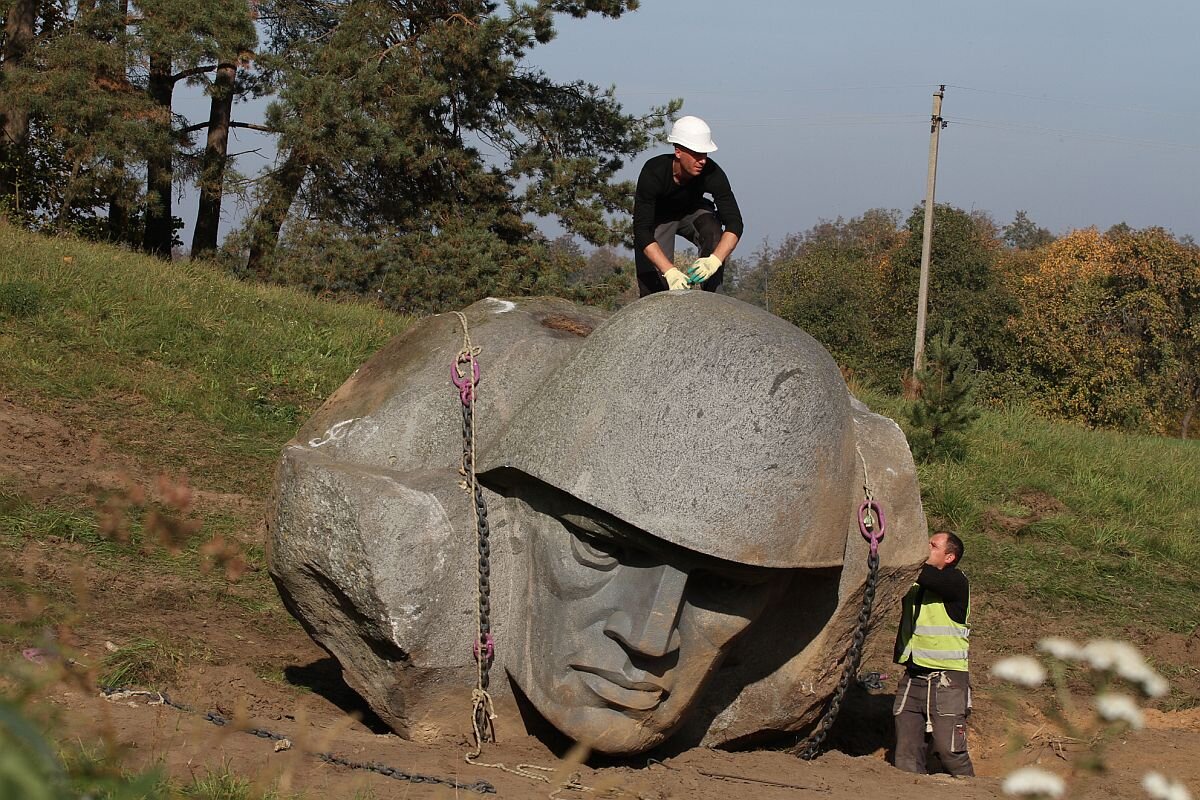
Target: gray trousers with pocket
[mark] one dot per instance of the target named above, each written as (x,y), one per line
(702,228)
(943,700)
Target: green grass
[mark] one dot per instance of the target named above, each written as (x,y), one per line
(206,372)
(143,664)
(224,784)
(1122,545)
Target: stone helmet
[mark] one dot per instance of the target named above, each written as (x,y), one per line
(702,420)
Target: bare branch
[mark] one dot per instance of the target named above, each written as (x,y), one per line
(252,127)
(187,73)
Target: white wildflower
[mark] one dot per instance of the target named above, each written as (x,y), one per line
(1033,782)
(1124,659)
(1021,670)
(1155,685)
(1114,656)
(1062,649)
(1119,707)
(1159,788)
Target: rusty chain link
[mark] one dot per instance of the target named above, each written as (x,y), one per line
(478,787)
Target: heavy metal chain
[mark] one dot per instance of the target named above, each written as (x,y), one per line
(811,748)
(484,647)
(161,698)
(872,526)
(465,375)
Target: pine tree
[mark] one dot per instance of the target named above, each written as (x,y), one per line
(181,40)
(96,89)
(405,122)
(945,407)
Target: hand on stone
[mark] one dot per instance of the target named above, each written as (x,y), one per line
(703,268)
(676,280)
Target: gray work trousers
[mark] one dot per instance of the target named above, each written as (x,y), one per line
(702,228)
(943,699)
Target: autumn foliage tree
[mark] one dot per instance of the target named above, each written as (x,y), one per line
(1109,330)
(827,282)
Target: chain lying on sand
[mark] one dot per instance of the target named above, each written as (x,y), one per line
(116,694)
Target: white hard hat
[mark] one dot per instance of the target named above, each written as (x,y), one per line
(692,133)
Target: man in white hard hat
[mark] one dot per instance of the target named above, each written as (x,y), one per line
(670,202)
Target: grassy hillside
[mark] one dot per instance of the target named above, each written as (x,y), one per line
(1095,525)
(213,374)
(178,368)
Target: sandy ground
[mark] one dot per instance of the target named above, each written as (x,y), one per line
(230,651)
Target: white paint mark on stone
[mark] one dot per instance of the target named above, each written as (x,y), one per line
(505,305)
(334,434)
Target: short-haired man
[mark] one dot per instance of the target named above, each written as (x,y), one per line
(670,201)
(934,696)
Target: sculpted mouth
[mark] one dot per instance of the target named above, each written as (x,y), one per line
(617,690)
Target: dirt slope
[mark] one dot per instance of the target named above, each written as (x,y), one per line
(230,649)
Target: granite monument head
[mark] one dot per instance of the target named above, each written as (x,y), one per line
(649,550)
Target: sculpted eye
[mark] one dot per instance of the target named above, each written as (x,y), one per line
(593,551)
(715,584)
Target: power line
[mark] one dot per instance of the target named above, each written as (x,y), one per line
(1087,103)
(821,120)
(887,87)
(772,91)
(1068,134)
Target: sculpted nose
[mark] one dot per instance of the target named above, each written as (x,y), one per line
(649,601)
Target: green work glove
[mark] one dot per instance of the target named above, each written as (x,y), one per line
(676,280)
(703,268)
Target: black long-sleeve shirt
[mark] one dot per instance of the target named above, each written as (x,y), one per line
(951,585)
(660,199)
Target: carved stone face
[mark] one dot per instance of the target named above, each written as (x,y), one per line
(622,630)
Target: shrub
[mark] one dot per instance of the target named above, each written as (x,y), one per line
(945,407)
(20,299)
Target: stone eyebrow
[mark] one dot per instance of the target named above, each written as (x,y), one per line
(595,527)
(648,543)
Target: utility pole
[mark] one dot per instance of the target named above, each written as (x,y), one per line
(935,126)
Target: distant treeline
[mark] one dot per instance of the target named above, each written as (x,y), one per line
(1098,328)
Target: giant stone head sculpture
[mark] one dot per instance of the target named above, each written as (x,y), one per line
(672,496)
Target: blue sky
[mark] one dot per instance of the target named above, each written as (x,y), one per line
(1079,113)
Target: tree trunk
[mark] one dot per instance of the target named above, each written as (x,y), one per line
(118,209)
(118,205)
(14,117)
(157,237)
(1187,420)
(281,191)
(212,172)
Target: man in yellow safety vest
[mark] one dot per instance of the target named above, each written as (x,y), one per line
(934,696)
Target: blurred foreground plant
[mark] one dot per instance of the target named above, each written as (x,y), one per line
(34,767)
(1110,667)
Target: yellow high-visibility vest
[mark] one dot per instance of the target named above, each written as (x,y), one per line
(929,636)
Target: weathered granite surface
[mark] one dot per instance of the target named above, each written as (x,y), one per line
(710,440)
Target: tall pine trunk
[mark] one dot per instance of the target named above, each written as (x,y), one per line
(281,191)
(156,238)
(118,203)
(14,117)
(212,173)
